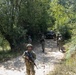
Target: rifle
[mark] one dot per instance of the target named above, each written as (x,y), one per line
(31,58)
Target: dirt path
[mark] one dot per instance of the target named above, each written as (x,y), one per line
(45,61)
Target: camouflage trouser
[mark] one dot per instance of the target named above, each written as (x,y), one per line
(30,69)
(43,46)
(57,43)
(60,45)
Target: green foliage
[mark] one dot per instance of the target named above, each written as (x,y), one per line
(9,22)
(65,31)
(34,16)
(4,44)
(58,11)
(19,17)
(71,47)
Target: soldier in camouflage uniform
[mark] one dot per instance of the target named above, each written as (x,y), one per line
(29,64)
(59,41)
(42,41)
(29,39)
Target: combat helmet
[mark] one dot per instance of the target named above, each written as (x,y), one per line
(29,45)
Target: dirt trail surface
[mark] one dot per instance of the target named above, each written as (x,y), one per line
(45,61)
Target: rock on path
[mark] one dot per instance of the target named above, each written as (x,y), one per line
(45,61)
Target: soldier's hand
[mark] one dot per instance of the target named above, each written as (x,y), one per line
(27,57)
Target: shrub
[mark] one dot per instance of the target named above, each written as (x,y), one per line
(65,31)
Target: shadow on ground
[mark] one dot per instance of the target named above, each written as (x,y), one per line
(51,57)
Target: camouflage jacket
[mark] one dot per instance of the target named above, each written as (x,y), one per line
(31,54)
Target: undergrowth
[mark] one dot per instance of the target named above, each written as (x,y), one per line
(66,68)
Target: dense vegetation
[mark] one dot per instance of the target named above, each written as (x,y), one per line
(21,17)
(68,67)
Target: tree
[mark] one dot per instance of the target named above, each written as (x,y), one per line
(19,16)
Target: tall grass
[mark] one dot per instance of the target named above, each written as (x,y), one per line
(66,68)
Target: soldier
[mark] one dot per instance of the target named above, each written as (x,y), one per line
(42,41)
(29,57)
(29,39)
(59,41)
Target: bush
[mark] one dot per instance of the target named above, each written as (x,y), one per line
(4,44)
(65,31)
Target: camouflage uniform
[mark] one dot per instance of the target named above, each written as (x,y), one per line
(29,65)
(59,42)
(29,39)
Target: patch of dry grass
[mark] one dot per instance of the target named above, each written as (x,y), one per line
(66,68)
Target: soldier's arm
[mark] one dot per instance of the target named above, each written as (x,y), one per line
(24,56)
(34,55)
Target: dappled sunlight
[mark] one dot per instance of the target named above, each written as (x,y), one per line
(45,61)
(1,49)
(4,44)
(44,70)
(13,67)
(58,55)
(8,48)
